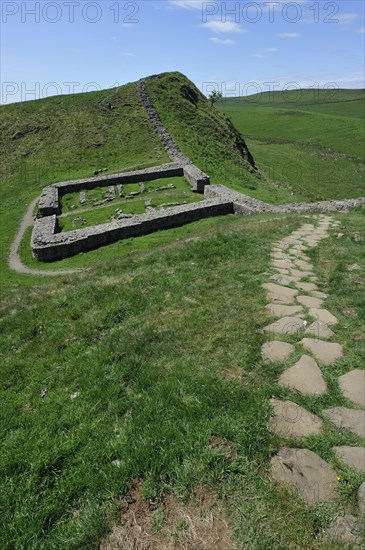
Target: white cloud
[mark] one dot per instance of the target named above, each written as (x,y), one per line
(361,30)
(345,18)
(187,4)
(129,54)
(222,27)
(272,50)
(257,55)
(225,42)
(288,35)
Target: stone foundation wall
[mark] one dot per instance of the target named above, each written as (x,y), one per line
(244,205)
(49,202)
(48,245)
(197,179)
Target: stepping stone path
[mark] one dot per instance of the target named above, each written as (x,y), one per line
(305,377)
(312,477)
(353,457)
(320,330)
(309,301)
(344,529)
(323,315)
(280,293)
(347,419)
(286,326)
(298,306)
(326,352)
(307,287)
(352,386)
(276,351)
(290,420)
(279,310)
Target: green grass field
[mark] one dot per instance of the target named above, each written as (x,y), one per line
(308,142)
(339,102)
(159,367)
(129,370)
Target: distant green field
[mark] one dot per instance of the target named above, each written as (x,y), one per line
(303,143)
(340,102)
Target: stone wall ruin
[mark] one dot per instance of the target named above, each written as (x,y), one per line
(48,244)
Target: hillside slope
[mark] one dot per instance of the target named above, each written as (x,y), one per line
(310,145)
(67,137)
(203,133)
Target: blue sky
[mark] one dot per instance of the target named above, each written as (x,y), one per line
(62,46)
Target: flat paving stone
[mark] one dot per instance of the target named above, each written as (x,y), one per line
(313,478)
(323,315)
(286,326)
(291,239)
(283,280)
(319,330)
(318,294)
(352,385)
(290,420)
(306,266)
(309,301)
(326,352)
(353,457)
(280,310)
(276,351)
(344,529)
(278,293)
(285,264)
(300,273)
(307,287)
(305,377)
(351,420)
(282,271)
(278,255)
(280,245)
(361,497)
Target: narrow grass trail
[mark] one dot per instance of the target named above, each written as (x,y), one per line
(15,262)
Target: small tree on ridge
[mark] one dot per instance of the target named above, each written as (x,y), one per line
(215,96)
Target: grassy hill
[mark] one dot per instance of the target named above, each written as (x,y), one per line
(309,142)
(68,137)
(145,370)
